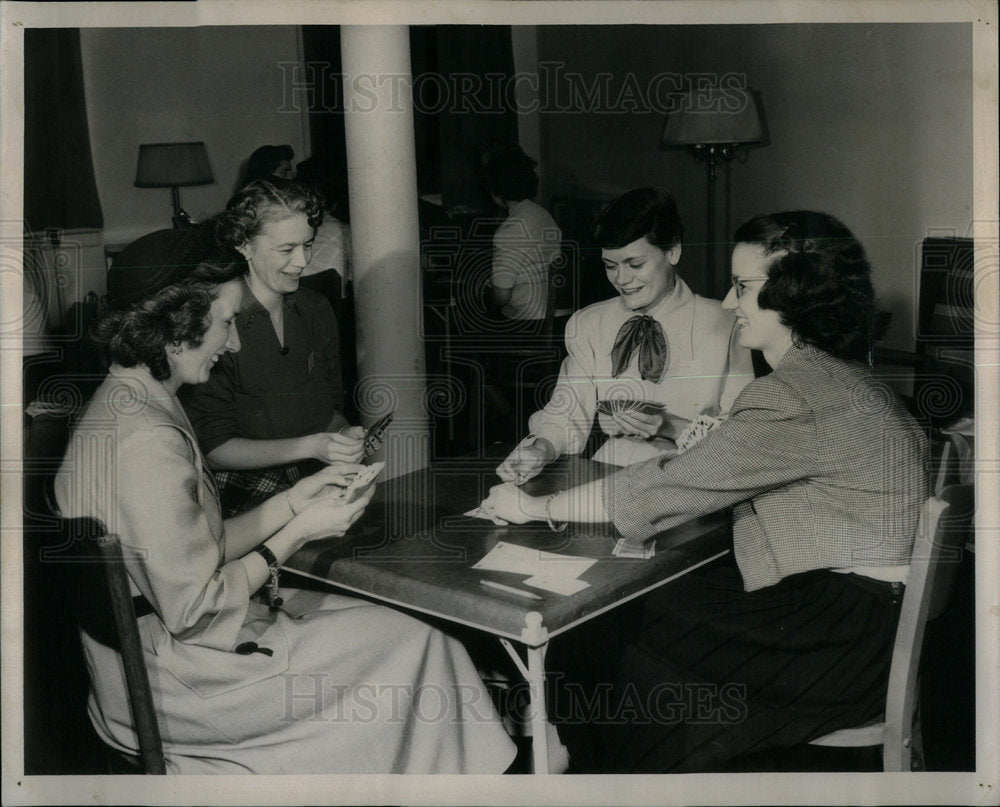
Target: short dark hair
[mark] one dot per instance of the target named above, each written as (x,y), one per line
(642,212)
(504,169)
(262,202)
(177,312)
(819,281)
(265,160)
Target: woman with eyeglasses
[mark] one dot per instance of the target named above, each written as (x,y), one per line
(789,637)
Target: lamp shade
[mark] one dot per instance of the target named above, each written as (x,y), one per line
(164,165)
(716,115)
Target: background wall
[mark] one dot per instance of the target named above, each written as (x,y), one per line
(222,85)
(872,123)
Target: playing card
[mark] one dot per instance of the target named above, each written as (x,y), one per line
(612,405)
(625,549)
(364,479)
(374,435)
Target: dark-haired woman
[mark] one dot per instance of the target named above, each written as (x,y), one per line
(318,683)
(271,411)
(654,341)
(527,240)
(791,638)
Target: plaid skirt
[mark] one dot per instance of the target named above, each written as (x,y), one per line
(240,491)
(707,672)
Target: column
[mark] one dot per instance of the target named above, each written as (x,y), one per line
(381,166)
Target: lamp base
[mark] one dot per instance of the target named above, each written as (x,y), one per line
(182,221)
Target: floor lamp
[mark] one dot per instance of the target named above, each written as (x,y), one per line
(716,125)
(173,165)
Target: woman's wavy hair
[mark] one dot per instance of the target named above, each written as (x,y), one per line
(504,169)
(650,212)
(819,281)
(262,202)
(179,312)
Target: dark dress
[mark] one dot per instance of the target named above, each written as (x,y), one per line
(269,392)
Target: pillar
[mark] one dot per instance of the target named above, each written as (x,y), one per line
(381,170)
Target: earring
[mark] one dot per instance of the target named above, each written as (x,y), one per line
(175,349)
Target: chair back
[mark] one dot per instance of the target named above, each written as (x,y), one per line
(943,530)
(98,589)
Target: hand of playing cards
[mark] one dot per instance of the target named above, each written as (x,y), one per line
(696,430)
(612,405)
(375,435)
(364,479)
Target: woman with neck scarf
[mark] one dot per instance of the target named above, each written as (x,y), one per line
(648,361)
(307,682)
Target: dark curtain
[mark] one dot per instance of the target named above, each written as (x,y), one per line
(469,59)
(59,186)
(457,105)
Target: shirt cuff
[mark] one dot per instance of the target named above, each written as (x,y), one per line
(623,507)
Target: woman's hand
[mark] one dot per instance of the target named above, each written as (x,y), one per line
(327,483)
(512,505)
(342,446)
(526,462)
(329,515)
(633,423)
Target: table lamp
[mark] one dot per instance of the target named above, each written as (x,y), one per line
(171,165)
(716,124)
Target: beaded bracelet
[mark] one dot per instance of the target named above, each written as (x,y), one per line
(548,514)
(274,599)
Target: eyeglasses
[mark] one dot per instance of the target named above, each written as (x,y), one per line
(739,284)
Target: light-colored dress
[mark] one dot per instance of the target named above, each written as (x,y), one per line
(706,371)
(348,686)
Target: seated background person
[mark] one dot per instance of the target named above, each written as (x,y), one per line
(791,636)
(268,162)
(655,341)
(526,242)
(270,411)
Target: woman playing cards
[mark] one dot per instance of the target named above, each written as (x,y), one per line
(790,637)
(273,411)
(313,683)
(648,361)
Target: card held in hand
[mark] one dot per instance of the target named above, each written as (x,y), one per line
(375,434)
(364,480)
(611,405)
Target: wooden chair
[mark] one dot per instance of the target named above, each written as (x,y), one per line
(945,524)
(98,588)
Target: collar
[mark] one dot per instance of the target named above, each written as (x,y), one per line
(146,391)
(250,306)
(799,354)
(679,296)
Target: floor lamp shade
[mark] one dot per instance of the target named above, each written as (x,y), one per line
(715,116)
(173,165)
(716,124)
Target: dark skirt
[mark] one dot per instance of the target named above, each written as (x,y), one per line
(708,672)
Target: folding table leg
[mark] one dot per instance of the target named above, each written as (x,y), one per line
(534,674)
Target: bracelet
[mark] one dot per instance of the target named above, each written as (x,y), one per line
(274,599)
(548,514)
